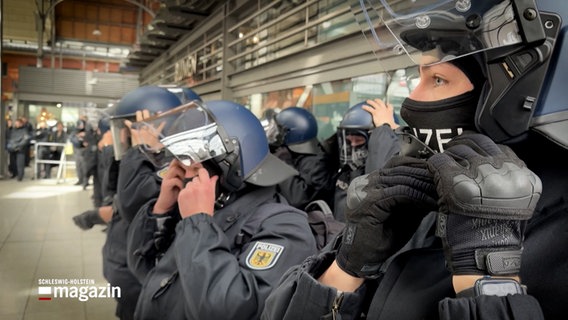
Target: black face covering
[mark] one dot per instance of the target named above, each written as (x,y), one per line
(437,122)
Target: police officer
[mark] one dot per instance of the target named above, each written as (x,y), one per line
(77,140)
(365,141)
(235,236)
(107,173)
(293,137)
(493,227)
(135,173)
(18,139)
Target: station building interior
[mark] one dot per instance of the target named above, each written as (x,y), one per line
(63,59)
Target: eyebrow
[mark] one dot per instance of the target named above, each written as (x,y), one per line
(440,68)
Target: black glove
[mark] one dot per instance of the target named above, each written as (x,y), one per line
(486,193)
(383,210)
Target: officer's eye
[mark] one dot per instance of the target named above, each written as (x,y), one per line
(438,81)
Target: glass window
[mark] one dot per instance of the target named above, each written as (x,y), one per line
(329,101)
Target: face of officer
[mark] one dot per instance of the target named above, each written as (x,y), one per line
(440,81)
(443,104)
(355,140)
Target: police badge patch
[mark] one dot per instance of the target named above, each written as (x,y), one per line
(263,255)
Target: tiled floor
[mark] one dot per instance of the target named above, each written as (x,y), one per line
(38,240)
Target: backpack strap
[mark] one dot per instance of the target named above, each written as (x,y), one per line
(323,224)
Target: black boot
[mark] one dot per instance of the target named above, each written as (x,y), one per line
(88,219)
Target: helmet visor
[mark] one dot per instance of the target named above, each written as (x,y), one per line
(272,131)
(440,29)
(120,134)
(189,133)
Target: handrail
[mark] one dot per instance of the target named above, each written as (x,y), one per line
(62,162)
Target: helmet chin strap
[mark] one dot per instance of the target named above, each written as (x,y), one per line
(230,180)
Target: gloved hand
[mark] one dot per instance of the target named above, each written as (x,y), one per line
(486,194)
(383,210)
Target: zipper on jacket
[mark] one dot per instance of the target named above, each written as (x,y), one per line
(336,305)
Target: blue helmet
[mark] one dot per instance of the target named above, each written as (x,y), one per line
(353,135)
(252,162)
(357,119)
(297,129)
(226,138)
(152,98)
(104,120)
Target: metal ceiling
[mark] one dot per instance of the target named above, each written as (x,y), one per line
(130,32)
(173,20)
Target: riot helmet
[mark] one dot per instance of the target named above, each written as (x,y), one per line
(225,137)
(152,98)
(353,136)
(295,128)
(516,42)
(104,120)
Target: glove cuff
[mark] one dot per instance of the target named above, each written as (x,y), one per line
(494,261)
(352,261)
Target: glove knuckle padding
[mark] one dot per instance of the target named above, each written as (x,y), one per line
(494,187)
(485,193)
(506,192)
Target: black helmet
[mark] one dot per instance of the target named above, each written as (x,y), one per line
(519,41)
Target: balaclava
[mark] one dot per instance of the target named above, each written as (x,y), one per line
(436,122)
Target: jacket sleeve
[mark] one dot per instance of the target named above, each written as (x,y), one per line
(300,296)
(219,284)
(314,182)
(142,245)
(383,144)
(511,307)
(137,183)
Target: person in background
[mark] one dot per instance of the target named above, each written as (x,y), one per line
(30,131)
(7,135)
(17,144)
(292,136)
(77,138)
(361,136)
(90,158)
(107,172)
